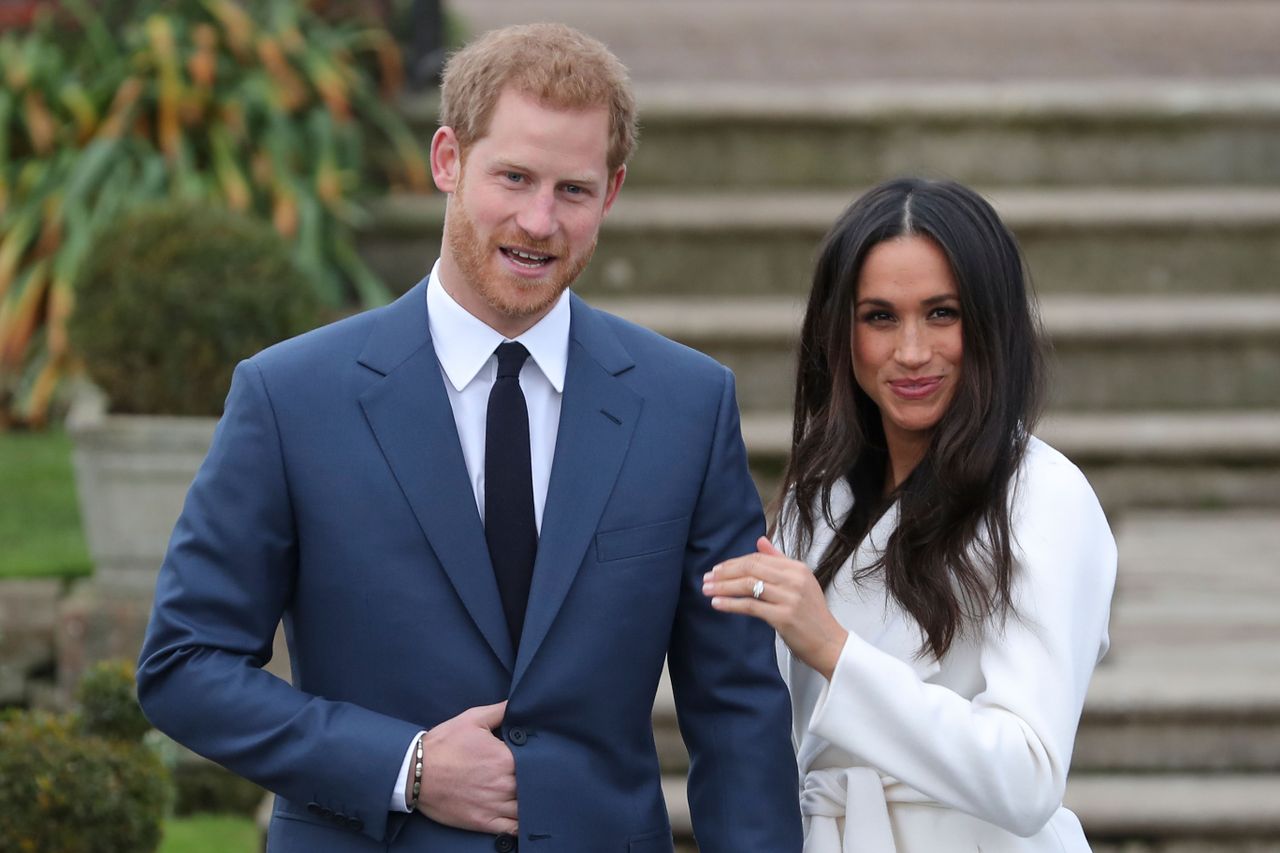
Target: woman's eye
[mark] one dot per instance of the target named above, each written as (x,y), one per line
(946,313)
(877,317)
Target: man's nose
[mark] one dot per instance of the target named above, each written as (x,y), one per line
(538,217)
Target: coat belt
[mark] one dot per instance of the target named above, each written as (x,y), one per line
(859,795)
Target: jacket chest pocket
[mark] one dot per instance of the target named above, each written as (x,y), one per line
(647,540)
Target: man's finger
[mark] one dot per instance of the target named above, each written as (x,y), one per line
(488,716)
(503,824)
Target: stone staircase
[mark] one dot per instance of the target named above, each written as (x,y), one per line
(1150,216)
(1155,268)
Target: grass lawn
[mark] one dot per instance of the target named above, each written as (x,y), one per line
(210,834)
(39,518)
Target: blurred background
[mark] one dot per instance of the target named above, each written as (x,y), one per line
(154,153)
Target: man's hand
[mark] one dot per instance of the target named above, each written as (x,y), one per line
(468,775)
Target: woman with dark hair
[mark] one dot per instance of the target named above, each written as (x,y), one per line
(942,579)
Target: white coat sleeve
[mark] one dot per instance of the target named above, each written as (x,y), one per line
(1002,756)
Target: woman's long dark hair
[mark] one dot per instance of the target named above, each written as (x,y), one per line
(949,562)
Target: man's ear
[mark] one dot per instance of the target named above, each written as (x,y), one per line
(446,160)
(615,184)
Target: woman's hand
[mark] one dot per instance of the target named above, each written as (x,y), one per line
(791,601)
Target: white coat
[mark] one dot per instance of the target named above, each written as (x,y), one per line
(913,754)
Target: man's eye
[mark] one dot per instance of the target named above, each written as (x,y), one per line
(573,189)
(514,177)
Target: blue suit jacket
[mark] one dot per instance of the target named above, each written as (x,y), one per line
(335,496)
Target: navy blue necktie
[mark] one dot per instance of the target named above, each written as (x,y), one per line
(510,528)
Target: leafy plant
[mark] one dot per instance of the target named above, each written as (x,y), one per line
(109,703)
(69,785)
(261,107)
(173,295)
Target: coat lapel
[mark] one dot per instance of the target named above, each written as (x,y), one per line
(598,415)
(409,412)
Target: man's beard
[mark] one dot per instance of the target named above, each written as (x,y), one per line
(511,296)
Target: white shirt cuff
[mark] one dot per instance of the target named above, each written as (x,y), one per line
(397,793)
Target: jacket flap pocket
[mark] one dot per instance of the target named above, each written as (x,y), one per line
(643,540)
(652,842)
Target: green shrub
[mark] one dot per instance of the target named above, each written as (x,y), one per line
(63,790)
(173,295)
(202,786)
(108,703)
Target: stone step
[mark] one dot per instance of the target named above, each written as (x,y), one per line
(1110,352)
(1081,240)
(1151,813)
(1235,729)
(862,42)
(1161,720)
(1128,133)
(1133,459)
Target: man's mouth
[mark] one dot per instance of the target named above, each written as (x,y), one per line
(526,259)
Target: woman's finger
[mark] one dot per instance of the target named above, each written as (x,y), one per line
(746,605)
(753,566)
(740,587)
(764,546)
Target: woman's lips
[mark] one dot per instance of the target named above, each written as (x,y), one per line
(915,389)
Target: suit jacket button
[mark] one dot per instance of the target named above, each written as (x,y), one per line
(355,823)
(504,843)
(327,814)
(314,808)
(518,736)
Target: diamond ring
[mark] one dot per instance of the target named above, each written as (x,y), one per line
(757,590)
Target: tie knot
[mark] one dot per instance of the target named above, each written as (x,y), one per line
(511,356)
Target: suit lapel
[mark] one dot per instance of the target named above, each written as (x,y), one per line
(409,412)
(598,415)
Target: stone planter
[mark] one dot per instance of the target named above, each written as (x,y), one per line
(132,475)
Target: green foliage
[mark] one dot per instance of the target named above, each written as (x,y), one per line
(208,833)
(258,107)
(63,790)
(108,703)
(203,786)
(39,516)
(173,296)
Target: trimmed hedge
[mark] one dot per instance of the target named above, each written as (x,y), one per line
(173,295)
(84,782)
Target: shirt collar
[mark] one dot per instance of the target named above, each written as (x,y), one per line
(463,342)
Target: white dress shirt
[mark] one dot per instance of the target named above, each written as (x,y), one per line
(465,347)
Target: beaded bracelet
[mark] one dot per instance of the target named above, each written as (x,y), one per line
(417,775)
